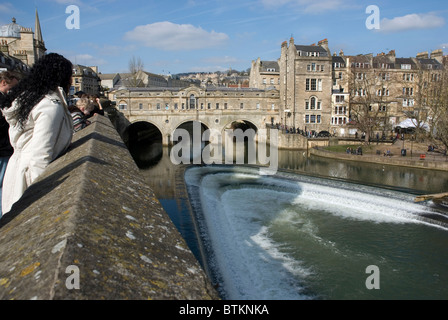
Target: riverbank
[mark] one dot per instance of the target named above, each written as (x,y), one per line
(401,153)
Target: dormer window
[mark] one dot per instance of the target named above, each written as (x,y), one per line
(312,54)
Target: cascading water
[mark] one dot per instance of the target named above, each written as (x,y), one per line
(292,236)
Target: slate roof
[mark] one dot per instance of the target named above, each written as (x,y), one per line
(303,48)
(265,65)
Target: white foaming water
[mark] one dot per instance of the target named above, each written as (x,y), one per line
(358,205)
(240,208)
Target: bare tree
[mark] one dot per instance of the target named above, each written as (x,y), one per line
(370,97)
(438,102)
(135,66)
(419,97)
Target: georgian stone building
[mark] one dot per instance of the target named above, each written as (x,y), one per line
(21,42)
(385,90)
(265,75)
(340,97)
(319,92)
(109,80)
(306,86)
(85,79)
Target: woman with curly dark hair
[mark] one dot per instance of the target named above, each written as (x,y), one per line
(41,126)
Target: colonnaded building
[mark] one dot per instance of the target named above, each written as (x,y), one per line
(307,89)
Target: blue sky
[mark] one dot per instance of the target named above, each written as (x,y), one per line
(215,35)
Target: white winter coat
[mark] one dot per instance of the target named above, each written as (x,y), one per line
(45,135)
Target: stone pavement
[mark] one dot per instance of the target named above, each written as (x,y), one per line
(414,150)
(417,155)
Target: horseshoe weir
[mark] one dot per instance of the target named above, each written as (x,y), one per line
(90,228)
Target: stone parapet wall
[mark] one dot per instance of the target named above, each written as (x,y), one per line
(91,228)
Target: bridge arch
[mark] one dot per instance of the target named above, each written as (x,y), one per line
(144,141)
(196,145)
(186,122)
(241,124)
(187,125)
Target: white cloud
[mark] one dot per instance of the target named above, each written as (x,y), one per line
(175,37)
(411,22)
(86,60)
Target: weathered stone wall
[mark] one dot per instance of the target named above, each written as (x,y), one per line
(92,215)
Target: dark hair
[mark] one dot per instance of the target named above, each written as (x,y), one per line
(47,74)
(7,76)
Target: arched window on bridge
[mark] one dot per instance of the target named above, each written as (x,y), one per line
(122,105)
(192,102)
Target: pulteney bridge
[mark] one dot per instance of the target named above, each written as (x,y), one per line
(160,111)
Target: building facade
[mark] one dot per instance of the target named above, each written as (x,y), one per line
(86,80)
(264,75)
(9,63)
(22,42)
(209,100)
(340,98)
(386,90)
(109,80)
(308,90)
(215,107)
(353,95)
(306,86)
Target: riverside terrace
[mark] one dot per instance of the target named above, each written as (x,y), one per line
(416,155)
(90,228)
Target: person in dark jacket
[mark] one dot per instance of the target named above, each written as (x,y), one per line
(7,81)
